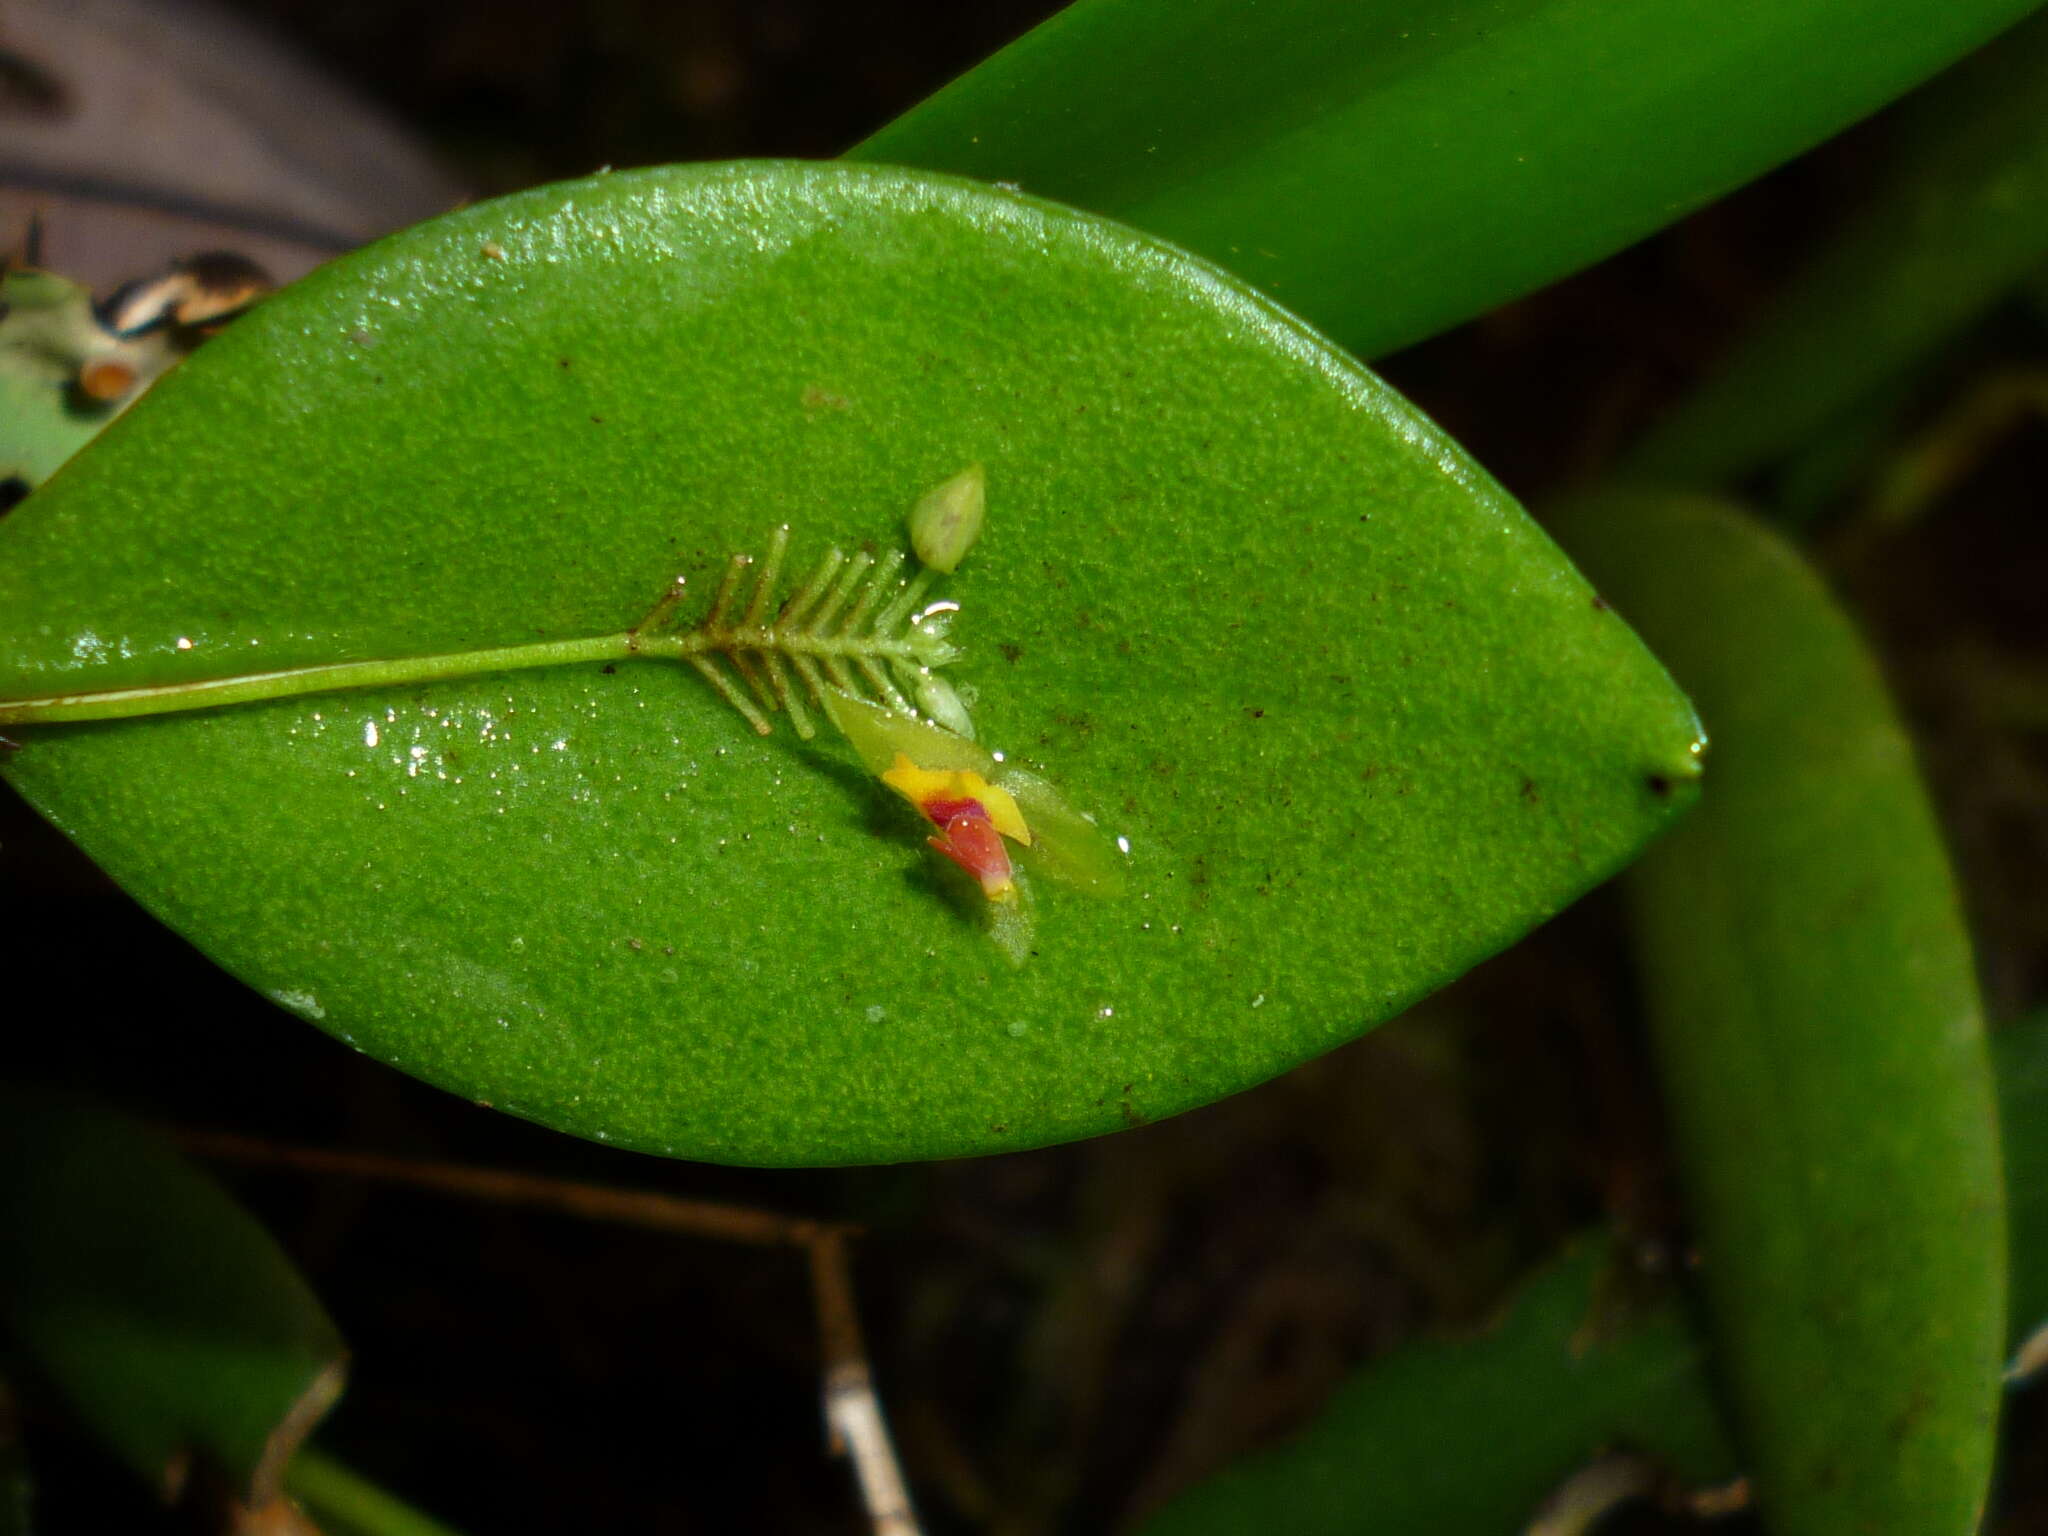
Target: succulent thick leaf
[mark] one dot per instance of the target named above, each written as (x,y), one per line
(1388,170)
(1818,1034)
(164,1315)
(1351,720)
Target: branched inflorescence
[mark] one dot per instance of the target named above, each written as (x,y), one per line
(856,623)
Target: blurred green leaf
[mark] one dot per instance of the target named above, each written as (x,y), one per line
(1961,221)
(48,331)
(1359,722)
(166,1318)
(1389,170)
(1464,1437)
(1809,984)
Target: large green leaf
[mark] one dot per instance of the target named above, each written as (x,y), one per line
(1390,169)
(1815,1013)
(1357,720)
(163,1314)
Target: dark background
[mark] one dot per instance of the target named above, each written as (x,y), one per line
(1062,1337)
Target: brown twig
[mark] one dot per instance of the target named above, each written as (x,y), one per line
(854,1423)
(593,1202)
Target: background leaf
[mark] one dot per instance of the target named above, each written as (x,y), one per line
(164,1315)
(1819,1040)
(1390,170)
(1962,220)
(1465,1436)
(1357,719)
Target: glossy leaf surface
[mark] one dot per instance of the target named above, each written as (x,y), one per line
(1961,219)
(170,1322)
(1390,169)
(1357,720)
(1810,987)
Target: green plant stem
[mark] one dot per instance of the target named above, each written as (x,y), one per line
(297,682)
(345,1502)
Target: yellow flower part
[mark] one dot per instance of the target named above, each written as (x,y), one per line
(933,790)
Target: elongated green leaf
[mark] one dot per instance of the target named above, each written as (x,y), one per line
(166,1317)
(1348,717)
(1961,221)
(1816,1020)
(1464,1437)
(1390,169)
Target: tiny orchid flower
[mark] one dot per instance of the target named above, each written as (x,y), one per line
(980,804)
(973,817)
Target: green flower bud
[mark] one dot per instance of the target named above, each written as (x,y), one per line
(947,519)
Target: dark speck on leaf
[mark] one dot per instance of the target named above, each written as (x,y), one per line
(1659,785)
(597,421)
(13,491)
(561,362)
(609,668)
(1010,652)
(1601,603)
